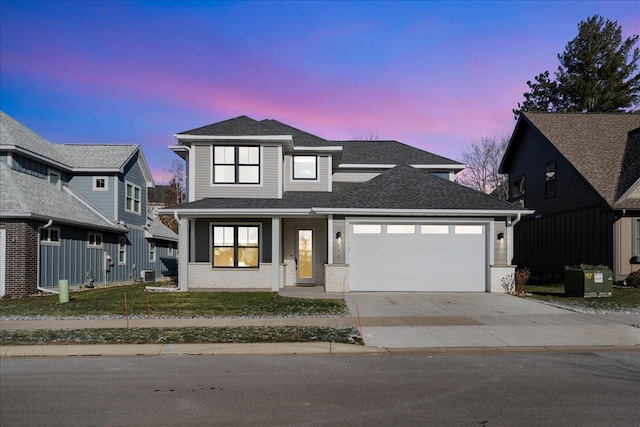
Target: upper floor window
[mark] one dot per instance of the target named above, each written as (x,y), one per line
(305,167)
(517,191)
(100,183)
(95,240)
(50,236)
(132,198)
(236,165)
(152,252)
(235,245)
(550,179)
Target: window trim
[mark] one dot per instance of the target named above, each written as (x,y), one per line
(236,247)
(94,181)
(547,181)
(236,165)
(58,184)
(293,167)
(122,250)
(133,199)
(153,251)
(48,240)
(95,239)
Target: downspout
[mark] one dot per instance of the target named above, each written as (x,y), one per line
(517,220)
(38,287)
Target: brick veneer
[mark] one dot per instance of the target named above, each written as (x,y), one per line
(21,276)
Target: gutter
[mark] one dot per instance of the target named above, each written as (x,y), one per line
(38,287)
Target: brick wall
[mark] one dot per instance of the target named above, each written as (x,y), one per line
(201,275)
(22,257)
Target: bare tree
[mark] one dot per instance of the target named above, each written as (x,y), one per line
(483,161)
(371,136)
(175,194)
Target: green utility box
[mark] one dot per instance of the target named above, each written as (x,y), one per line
(588,283)
(63,290)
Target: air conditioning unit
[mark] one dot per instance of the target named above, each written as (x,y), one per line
(148,276)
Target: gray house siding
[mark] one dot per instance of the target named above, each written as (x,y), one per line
(101,199)
(269,171)
(321,184)
(132,174)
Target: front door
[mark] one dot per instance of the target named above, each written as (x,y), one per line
(304,257)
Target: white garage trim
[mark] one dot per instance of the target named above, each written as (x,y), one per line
(427,254)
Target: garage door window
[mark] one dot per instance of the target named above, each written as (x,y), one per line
(367,229)
(434,229)
(468,229)
(401,229)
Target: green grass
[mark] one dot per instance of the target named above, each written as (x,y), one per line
(109,301)
(191,335)
(622,299)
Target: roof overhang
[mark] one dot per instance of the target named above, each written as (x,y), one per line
(266,138)
(64,221)
(28,153)
(458,167)
(329,149)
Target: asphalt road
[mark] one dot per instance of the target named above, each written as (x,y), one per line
(515,389)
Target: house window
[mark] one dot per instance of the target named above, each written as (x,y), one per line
(517,191)
(100,184)
(54,179)
(171,250)
(550,179)
(122,251)
(152,252)
(132,198)
(305,167)
(235,246)
(50,236)
(95,240)
(236,165)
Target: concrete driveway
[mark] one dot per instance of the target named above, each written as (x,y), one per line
(420,319)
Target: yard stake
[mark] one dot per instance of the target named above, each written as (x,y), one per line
(148,305)
(126,309)
(360,324)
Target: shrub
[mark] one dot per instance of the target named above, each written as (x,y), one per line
(522,276)
(634,279)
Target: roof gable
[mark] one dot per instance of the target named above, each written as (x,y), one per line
(593,143)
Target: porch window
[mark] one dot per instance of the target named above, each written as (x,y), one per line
(305,167)
(236,165)
(235,246)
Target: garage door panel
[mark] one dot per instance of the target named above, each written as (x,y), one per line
(418,262)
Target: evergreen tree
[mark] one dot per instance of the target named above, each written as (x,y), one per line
(597,73)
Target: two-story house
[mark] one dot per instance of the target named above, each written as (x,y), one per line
(580,172)
(271,206)
(76,212)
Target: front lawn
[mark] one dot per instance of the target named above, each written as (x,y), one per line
(110,302)
(622,300)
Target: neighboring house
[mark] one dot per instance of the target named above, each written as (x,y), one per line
(272,206)
(75,212)
(580,173)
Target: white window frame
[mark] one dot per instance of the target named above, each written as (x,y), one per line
(293,167)
(48,231)
(134,187)
(122,251)
(94,185)
(92,238)
(153,249)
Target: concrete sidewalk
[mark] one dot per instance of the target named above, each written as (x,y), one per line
(435,322)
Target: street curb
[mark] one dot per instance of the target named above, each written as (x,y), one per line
(274,349)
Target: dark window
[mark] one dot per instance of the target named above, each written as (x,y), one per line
(517,191)
(236,165)
(235,246)
(50,235)
(550,179)
(305,167)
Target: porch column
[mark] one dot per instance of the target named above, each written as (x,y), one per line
(330,239)
(183,254)
(275,254)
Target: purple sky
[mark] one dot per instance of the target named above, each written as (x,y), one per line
(436,75)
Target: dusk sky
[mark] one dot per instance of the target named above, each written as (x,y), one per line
(435,75)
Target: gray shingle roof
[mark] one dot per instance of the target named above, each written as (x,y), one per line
(14,133)
(239,126)
(594,143)
(388,152)
(23,195)
(401,188)
(160,231)
(97,156)
(630,173)
(300,137)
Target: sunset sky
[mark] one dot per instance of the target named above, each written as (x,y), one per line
(435,75)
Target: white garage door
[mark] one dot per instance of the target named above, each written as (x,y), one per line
(417,257)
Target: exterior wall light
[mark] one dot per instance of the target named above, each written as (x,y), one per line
(500,236)
(338,235)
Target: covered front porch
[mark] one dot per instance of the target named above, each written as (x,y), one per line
(258,252)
